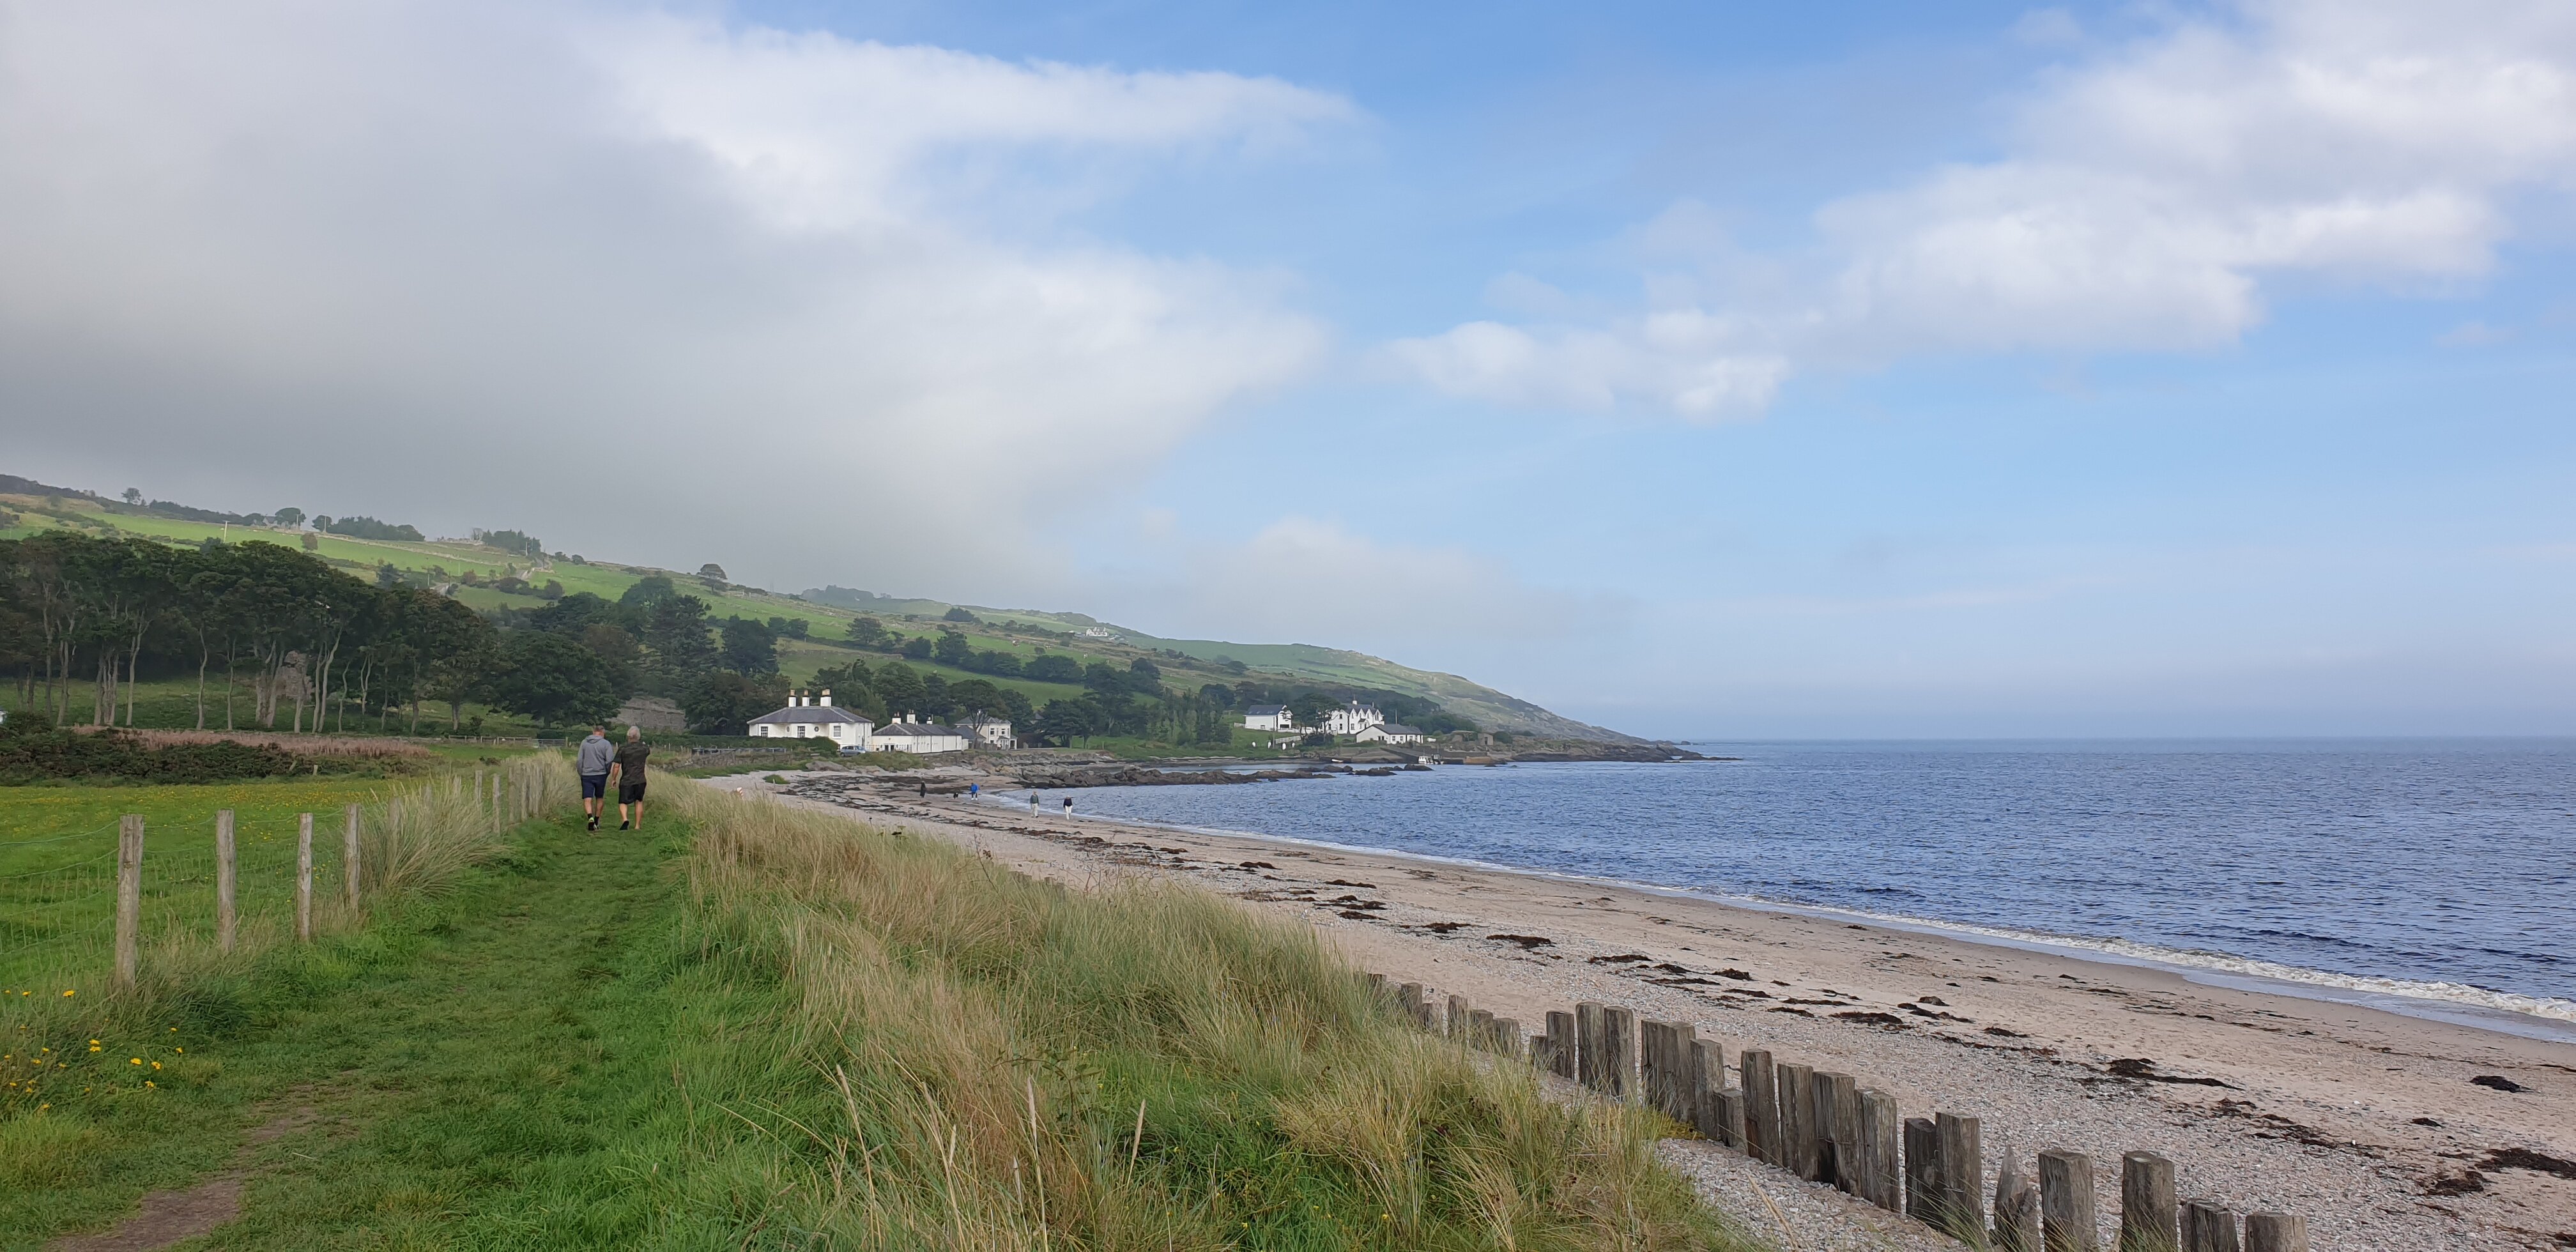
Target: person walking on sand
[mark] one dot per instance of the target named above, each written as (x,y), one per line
(592,763)
(629,767)
(1068,806)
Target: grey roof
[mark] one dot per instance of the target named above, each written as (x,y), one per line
(918,730)
(1393,728)
(812,715)
(1265,710)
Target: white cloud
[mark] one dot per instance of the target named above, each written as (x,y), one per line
(2147,198)
(817,131)
(633,281)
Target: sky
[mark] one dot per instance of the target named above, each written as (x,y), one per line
(1701,370)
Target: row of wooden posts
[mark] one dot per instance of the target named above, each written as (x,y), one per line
(1828,1128)
(496,795)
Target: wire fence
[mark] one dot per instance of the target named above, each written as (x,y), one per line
(59,922)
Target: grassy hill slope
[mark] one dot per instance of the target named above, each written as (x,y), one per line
(826,614)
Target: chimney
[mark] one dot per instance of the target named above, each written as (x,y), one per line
(827,697)
(795,699)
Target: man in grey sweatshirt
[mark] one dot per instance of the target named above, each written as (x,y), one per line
(592,764)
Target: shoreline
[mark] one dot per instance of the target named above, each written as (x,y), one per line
(2553,1022)
(2376,1125)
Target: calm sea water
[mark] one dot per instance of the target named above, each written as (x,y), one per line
(2443,871)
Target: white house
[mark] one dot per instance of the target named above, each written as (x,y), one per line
(807,717)
(1352,718)
(1269,717)
(1389,732)
(990,732)
(917,737)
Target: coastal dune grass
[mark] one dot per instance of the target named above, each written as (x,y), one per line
(1008,1063)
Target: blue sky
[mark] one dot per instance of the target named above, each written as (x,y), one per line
(1701,370)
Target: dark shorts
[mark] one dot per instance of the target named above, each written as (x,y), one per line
(631,792)
(594,786)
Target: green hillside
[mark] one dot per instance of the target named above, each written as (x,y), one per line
(488,578)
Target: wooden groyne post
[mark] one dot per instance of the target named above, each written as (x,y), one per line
(2067,1218)
(2149,1219)
(1960,1165)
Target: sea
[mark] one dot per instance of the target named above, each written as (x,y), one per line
(2430,877)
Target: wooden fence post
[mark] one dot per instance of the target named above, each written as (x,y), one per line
(2276,1232)
(1922,1169)
(2208,1226)
(1506,1038)
(227,919)
(2068,1221)
(1409,997)
(1454,1023)
(1761,1105)
(304,877)
(1881,1152)
(1560,1043)
(1619,1048)
(349,856)
(129,896)
(1589,1049)
(1963,1177)
(2148,1218)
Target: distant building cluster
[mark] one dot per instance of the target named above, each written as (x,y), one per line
(812,716)
(1353,720)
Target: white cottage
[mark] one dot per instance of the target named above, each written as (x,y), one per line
(990,732)
(1389,732)
(1269,717)
(1352,718)
(917,737)
(809,717)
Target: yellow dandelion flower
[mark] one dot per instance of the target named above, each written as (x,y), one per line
(156,1065)
(134,1060)
(149,1083)
(178,1049)
(67,991)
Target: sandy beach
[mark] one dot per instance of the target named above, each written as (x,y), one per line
(2367,1123)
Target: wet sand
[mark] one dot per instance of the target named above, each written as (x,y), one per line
(2366,1122)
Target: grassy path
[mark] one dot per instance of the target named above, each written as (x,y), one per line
(495,1069)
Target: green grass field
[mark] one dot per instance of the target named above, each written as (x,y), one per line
(755,1027)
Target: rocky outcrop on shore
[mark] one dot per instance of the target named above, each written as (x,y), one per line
(1140,776)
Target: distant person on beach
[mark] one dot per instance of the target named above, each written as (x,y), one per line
(974,790)
(592,763)
(1068,806)
(1033,804)
(629,767)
